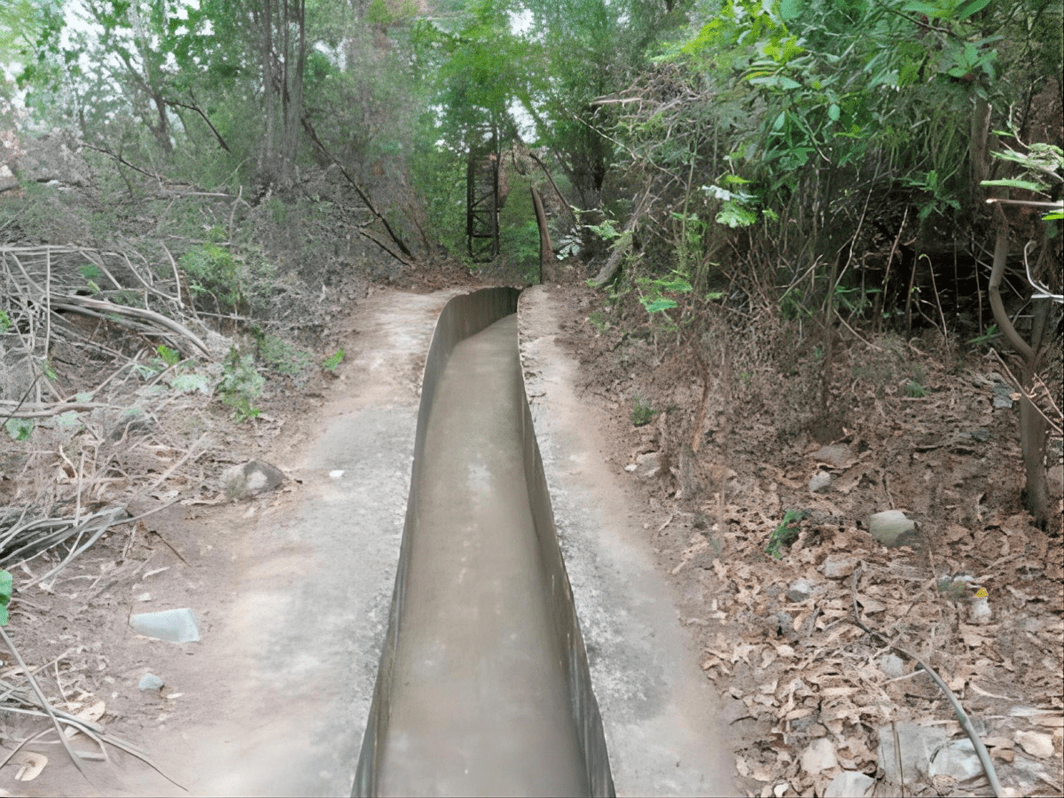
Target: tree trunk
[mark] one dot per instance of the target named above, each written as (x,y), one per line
(266,153)
(1032,425)
(978,151)
(546,251)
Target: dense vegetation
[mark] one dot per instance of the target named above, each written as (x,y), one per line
(827,162)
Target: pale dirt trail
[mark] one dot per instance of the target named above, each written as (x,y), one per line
(294,590)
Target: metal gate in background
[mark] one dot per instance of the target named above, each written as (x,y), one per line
(482,194)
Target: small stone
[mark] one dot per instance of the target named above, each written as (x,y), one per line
(336,474)
(250,478)
(173,626)
(917,745)
(892,665)
(819,756)
(979,611)
(649,464)
(631,467)
(958,760)
(981,434)
(799,591)
(1002,395)
(892,528)
(1035,743)
(850,784)
(150,682)
(1055,480)
(820,480)
(838,567)
(784,623)
(144,597)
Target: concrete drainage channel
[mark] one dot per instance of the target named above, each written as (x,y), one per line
(483,685)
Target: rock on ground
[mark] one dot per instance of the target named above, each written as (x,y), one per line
(850,784)
(250,478)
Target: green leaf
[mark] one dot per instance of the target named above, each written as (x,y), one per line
(7,582)
(927,9)
(19,429)
(792,9)
(1053,216)
(834,113)
(734,215)
(1014,183)
(973,7)
(658,305)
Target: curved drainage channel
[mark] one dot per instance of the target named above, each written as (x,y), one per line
(483,686)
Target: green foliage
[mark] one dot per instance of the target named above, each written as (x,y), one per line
(642,414)
(171,357)
(240,384)
(213,271)
(5,321)
(282,357)
(914,390)
(654,291)
(992,334)
(936,198)
(6,585)
(19,429)
(333,361)
(190,383)
(786,533)
(597,319)
(1042,168)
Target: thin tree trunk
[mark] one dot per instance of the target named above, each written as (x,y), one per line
(268,104)
(546,251)
(1032,425)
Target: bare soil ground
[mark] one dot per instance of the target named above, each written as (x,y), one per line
(801,668)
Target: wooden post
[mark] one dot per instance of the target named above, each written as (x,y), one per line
(546,251)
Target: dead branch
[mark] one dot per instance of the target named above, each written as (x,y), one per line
(360,191)
(76,303)
(622,247)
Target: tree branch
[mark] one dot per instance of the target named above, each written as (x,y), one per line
(361,192)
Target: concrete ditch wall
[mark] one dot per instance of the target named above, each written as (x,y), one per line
(461,318)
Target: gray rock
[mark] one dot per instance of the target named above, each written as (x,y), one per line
(892,665)
(957,759)
(981,434)
(1036,744)
(799,591)
(8,180)
(250,478)
(132,422)
(820,480)
(819,756)
(917,745)
(648,465)
(1002,395)
(150,682)
(173,626)
(850,784)
(835,567)
(892,528)
(1055,481)
(783,623)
